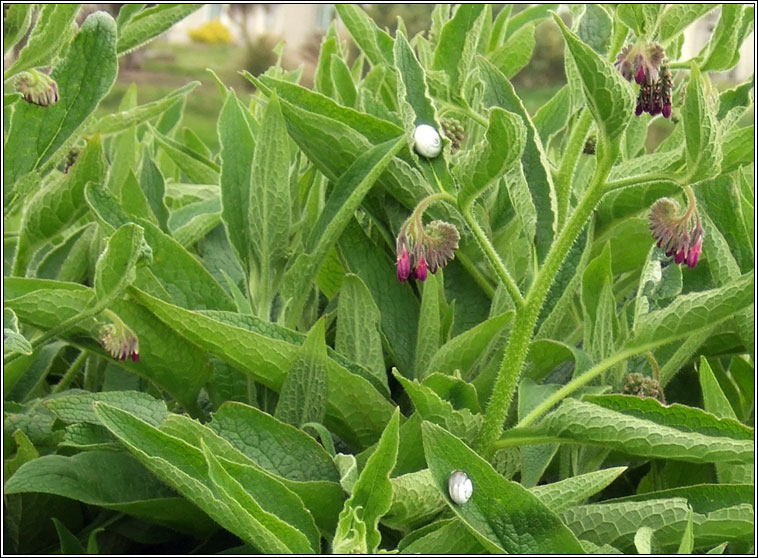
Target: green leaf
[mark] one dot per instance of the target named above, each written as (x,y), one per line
(154,187)
(275,446)
(534,458)
(608,95)
(644,540)
(197,168)
(561,495)
(149,23)
(462,423)
(38,134)
(691,312)
(415,501)
(598,303)
(461,351)
(503,515)
(51,31)
(114,481)
(448,536)
(68,541)
(358,322)
(642,18)
(343,82)
(304,392)
(653,431)
(552,117)
(688,539)
(375,43)
(165,357)
(511,57)
(677,17)
(323,499)
(79,407)
(186,469)
(723,49)
(701,131)
(738,148)
(528,15)
(346,197)
(322,80)
(13,341)
(127,12)
(399,305)
(501,148)
(114,270)
(269,203)
(371,497)
(237,149)
(254,518)
(456,46)
(429,334)
(500,92)
(267,360)
(116,122)
(595,28)
(16,22)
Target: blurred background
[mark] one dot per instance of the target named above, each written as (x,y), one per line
(228,38)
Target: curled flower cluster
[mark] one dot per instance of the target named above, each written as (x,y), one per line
(646,63)
(119,340)
(454,132)
(643,386)
(681,237)
(37,88)
(424,249)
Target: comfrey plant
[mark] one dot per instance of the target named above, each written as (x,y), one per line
(406,306)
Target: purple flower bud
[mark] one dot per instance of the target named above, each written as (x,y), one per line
(679,256)
(638,110)
(666,110)
(420,271)
(403,266)
(694,253)
(639,77)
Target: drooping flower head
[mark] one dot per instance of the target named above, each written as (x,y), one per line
(424,249)
(37,88)
(120,341)
(646,64)
(679,236)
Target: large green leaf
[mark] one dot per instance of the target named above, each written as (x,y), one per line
(38,135)
(51,30)
(149,23)
(456,46)
(357,530)
(502,514)
(608,95)
(114,481)
(267,360)
(575,490)
(701,131)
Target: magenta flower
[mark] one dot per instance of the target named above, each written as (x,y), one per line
(423,249)
(119,340)
(679,236)
(645,63)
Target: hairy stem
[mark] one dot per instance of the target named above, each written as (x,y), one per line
(71,373)
(568,164)
(526,317)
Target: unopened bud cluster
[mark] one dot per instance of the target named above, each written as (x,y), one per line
(119,341)
(681,237)
(424,249)
(37,88)
(454,132)
(643,386)
(646,63)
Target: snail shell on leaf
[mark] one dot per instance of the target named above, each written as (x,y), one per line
(460,487)
(427,141)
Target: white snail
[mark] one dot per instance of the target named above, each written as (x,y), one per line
(427,141)
(460,487)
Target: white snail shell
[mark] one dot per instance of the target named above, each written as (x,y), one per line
(427,141)
(460,487)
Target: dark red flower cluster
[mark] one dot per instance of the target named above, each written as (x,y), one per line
(680,237)
(647,65)
(431,249)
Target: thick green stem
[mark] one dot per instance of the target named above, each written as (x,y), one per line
(639,180)
(526,317)
(71,373)
(570,158)
(493,258)
(577,383)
